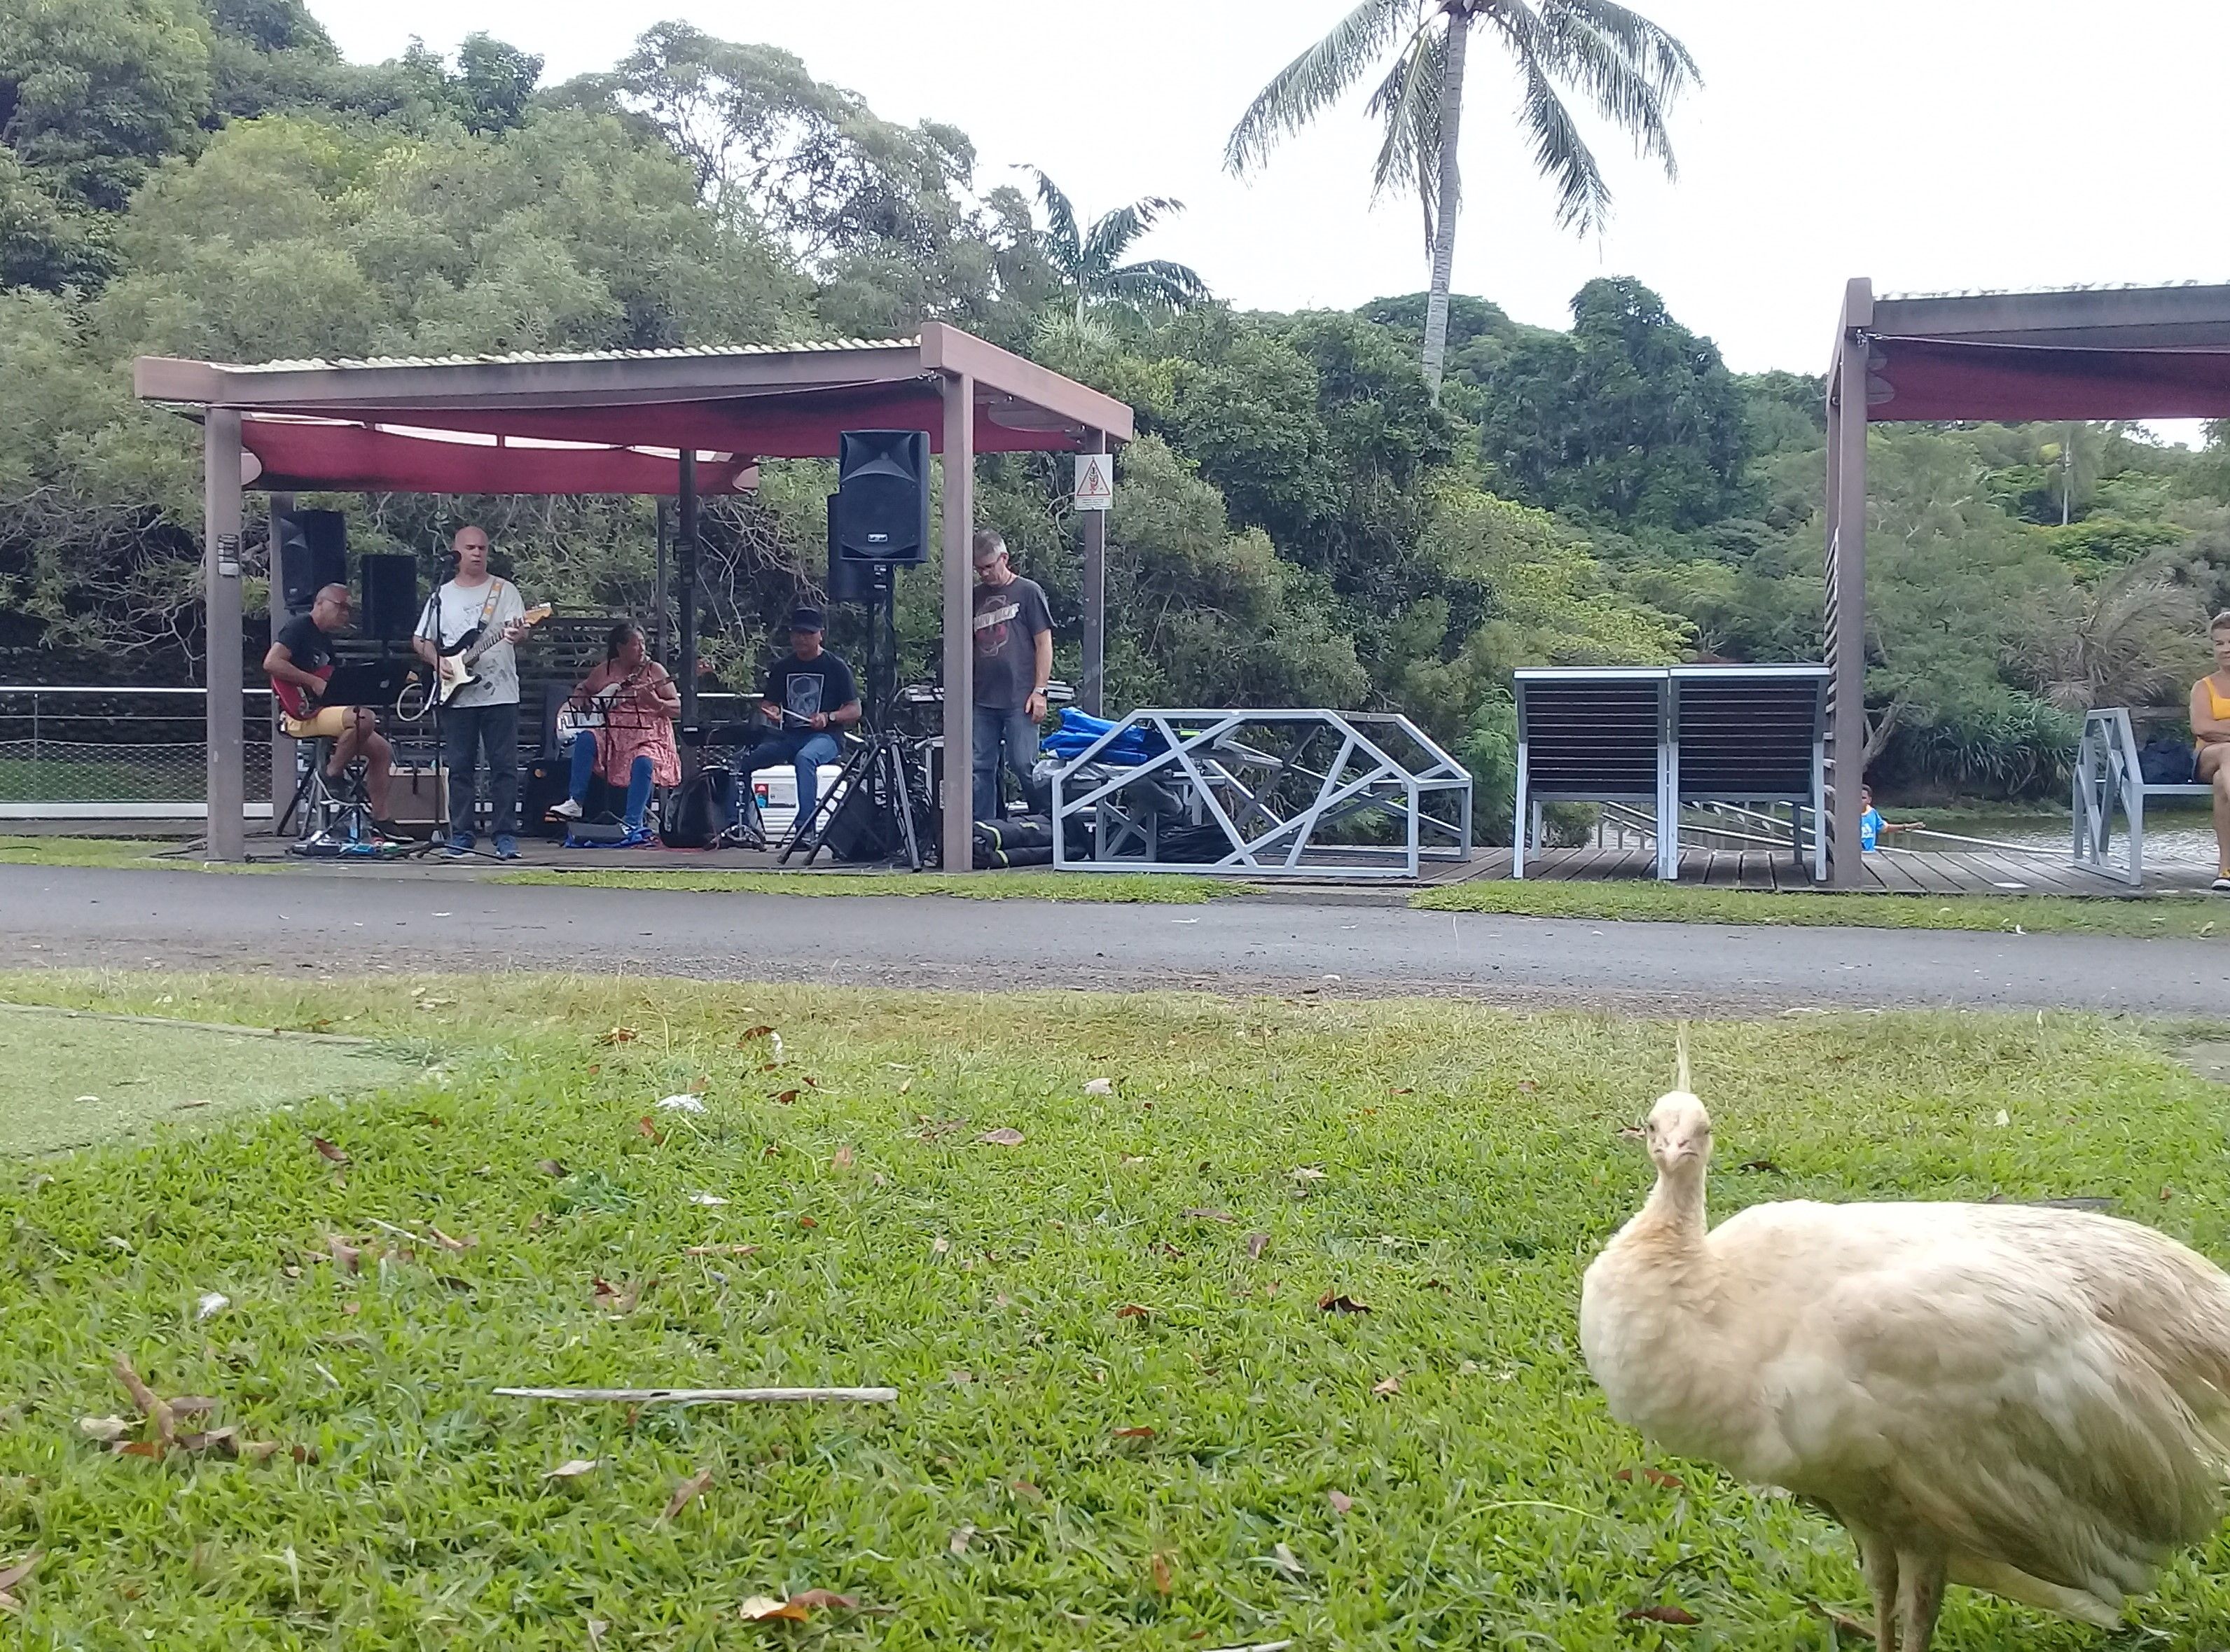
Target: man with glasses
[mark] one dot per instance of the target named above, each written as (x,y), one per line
(1014,662)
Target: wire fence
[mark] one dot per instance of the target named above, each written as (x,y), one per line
(71,751)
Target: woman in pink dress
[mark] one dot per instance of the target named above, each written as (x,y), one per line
(635,747)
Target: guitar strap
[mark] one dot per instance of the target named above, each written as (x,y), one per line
(432,616)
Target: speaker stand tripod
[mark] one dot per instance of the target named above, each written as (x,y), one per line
(879,765)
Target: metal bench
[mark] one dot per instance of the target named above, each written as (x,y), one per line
(1659,738)
(2107,778)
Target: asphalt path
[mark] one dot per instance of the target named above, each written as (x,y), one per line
(62,917)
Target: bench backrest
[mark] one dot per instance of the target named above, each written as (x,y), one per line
(1749,733)
(1592,734)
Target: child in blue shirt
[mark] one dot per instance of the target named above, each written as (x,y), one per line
(1871,826)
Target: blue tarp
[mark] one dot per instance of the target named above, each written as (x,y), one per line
(1080,729)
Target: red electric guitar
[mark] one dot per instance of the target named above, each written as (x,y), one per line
(292,701)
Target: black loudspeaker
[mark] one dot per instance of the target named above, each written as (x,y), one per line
(312,554)
(387,606)
(882,495)
(849,579)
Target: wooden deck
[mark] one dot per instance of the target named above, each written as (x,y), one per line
(1892,872)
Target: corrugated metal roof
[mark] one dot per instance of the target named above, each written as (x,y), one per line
(526,357)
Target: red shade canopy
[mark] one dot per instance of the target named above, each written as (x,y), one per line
(448,427)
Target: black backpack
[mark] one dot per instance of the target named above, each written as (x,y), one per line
(701,810)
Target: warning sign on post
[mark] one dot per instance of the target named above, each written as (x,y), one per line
(1095,481)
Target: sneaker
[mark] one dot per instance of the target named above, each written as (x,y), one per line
(637,838)
(506,847)
(568,810)
(2221,885)
(458,848)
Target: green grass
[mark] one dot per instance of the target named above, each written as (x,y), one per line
(1470,1168)
(2184,916)
(1171,889)
(81,779)
(90,852)
(65,1080)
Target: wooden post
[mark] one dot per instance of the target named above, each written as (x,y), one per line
(684,577)
(959,525)
(1846,628)
(661,599)
(282,748)
(227,839)
(1092,692)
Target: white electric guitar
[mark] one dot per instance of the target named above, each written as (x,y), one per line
(592,714)
(454,668)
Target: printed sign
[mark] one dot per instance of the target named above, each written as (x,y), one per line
(1095,481)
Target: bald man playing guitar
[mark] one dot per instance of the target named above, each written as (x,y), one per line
(484,617)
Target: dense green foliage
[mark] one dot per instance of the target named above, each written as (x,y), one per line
(1299,522)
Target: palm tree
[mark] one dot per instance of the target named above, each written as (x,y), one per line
(1632,69)
(2133,640)
(1084,259)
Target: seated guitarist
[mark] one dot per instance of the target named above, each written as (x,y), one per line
(298,665)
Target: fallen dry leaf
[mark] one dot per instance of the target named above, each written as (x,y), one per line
(1844,1623)
(1204,1213)
(192,1405)
(616,1299)
(1307,1172)
(1005,1136)
(1336,1303)
(1386,1389)
(224,1441)
(1661,1614)
(647,1130)
(1256,1243)
(939,1245)
(103,1428)
(843,1158)
(260,1450)
(1654,1476)
(1099,1087)
(551,1167)
(574,1468)
(748,1033)
(345,1255)
(1762,1166)
(14,1573)
(1288,1562)
(765,1609)
(785,1097)
(449,1243)
(145,1398)
(327,1150)
(618,1035)
(1163,1574)
(1139,1433)
(1030,1489)
(686,1493)
(1133,1311)
(1340,1502)
(806,1221)
(811,1598)
(957,1543)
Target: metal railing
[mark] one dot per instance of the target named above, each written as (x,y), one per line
(72,751)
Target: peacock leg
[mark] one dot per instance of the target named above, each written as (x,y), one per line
(1879,1559)
(1919,1597)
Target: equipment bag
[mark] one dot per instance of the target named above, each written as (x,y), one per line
(2166,763)
(701,810)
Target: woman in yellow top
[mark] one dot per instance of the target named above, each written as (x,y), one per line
(2210,728)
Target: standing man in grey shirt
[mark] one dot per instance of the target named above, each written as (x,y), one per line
(1014,662)
(482,717)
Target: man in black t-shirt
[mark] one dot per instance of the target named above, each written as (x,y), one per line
(298,663)
(1014,662)
(810,695)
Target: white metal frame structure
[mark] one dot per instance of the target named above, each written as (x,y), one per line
(1272,805)
(2107,778)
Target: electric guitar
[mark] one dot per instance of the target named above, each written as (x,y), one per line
(573,719)
(454,668)
(294,700)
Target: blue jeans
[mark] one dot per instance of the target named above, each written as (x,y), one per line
(805,748)
(584,769)
(1013,737)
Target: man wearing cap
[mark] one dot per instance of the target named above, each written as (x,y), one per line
(810,694)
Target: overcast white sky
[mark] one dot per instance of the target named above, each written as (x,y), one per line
(1931,145)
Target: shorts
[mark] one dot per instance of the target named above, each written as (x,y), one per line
(326,722)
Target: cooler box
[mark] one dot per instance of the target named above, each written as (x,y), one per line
(776,791)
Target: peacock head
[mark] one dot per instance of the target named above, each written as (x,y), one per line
(1679,1132)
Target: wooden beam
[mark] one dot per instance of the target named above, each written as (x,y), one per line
(684,578)
(1092,692)
(959,526)
(282,748)
(952,351)
(227,839)
(1847,586)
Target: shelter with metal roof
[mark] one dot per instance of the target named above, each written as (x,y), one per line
(670,421)
(2088,353)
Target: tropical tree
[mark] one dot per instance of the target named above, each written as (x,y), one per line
(1629,67)
(1085,259)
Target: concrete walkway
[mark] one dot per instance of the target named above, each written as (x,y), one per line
(65,917)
